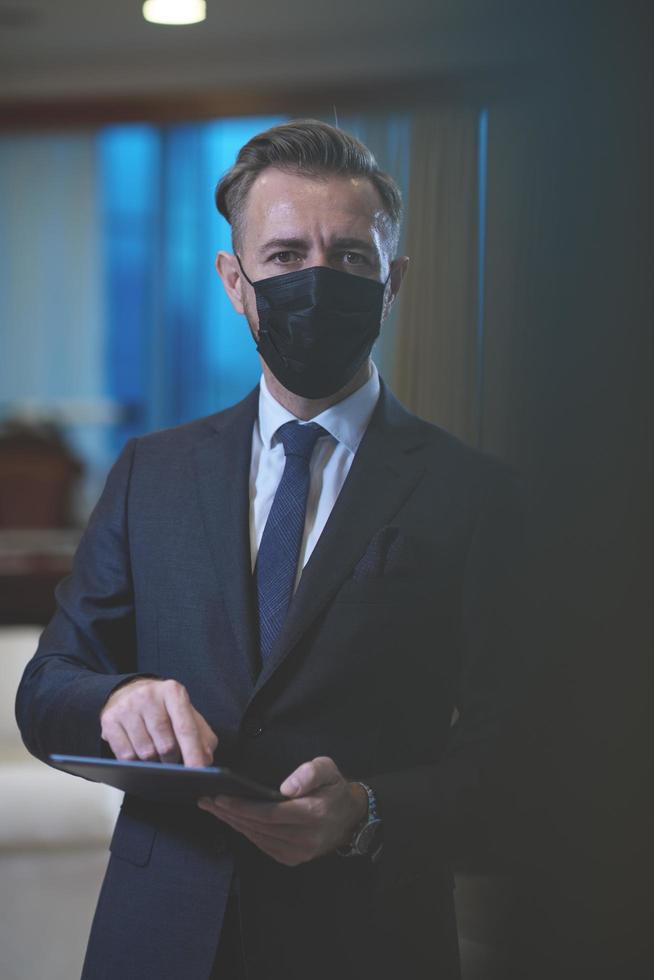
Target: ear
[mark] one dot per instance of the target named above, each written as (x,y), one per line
(229,271)
(398,270)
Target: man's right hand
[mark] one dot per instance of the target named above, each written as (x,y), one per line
(154,720)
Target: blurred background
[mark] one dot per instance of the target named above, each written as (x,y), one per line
(521,135)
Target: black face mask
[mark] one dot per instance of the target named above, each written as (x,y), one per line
(317,327)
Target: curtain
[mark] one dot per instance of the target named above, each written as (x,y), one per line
(439,349)
(176,349)
(49,282)
(51,321)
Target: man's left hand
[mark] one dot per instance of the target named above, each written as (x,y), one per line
(321,814)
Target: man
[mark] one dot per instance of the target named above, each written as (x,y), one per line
(307,588)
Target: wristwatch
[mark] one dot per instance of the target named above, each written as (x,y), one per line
(367,838)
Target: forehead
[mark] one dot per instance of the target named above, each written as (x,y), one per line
(288,205)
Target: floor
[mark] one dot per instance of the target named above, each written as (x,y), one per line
(46,907)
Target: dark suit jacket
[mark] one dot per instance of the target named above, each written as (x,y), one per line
(403,613)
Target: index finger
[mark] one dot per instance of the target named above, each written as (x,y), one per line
(178,705)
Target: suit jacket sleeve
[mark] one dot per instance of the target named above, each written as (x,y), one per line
(430,812)
(89,647)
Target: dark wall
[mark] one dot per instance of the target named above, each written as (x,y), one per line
(570,272)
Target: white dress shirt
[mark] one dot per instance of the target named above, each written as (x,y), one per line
(344,423)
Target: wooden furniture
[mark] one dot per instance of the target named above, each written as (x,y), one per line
(38,475)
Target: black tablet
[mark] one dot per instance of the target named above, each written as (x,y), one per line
(165,780)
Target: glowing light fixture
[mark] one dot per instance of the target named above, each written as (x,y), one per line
(175,11)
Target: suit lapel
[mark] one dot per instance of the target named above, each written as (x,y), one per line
(382,475)
(223,469)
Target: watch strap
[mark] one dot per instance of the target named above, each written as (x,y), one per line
(353,849)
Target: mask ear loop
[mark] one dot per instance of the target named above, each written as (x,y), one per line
(387,280)
(261,329)
(243,270)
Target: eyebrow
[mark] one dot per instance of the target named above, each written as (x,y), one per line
(359,243)
(288,243)
(301,244)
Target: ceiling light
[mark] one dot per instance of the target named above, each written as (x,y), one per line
(175,11)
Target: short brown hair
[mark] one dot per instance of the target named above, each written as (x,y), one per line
(306,147)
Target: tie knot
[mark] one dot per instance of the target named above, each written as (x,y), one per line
(299,440)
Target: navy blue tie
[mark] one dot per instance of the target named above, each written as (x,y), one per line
(279,550)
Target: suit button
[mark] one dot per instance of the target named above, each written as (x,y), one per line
(253,728)
(221,846)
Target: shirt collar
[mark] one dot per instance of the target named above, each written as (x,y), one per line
(346,421)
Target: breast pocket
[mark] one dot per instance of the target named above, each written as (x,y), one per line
(396,589)
(133,837)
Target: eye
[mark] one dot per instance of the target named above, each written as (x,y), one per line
(354,258)
(284,258)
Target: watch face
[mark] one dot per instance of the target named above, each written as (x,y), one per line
(368,836)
